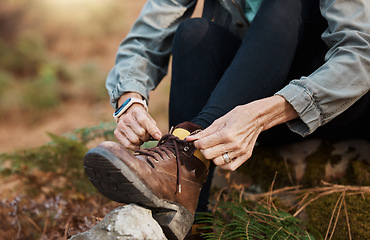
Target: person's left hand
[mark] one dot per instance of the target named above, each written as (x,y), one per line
(236,132)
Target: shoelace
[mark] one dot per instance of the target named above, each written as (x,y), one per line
(168,145)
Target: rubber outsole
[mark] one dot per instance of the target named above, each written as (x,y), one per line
(114,179)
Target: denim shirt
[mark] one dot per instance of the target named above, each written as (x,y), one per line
(143,57)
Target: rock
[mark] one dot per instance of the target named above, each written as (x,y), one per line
(125,223)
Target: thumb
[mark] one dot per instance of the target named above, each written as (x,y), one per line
(195,137)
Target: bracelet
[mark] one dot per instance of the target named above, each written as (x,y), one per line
(126,105)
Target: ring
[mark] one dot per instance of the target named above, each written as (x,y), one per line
(226,157)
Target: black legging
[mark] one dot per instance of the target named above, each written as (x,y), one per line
(213,71)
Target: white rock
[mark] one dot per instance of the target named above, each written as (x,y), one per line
(127,223)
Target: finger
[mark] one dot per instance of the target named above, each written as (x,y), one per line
(214,135)
(130,121)
(131,135)
(219,149)
(235,163)
(202,134)
(127,125)
(148,123)
(220,160)
(124,141)
(243,156)
(142,134)
(210,141)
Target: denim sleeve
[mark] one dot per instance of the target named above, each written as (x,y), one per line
(143,56)
(344,77)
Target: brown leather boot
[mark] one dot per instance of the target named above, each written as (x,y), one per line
(167,178)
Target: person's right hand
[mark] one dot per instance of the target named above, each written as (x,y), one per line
(135,126)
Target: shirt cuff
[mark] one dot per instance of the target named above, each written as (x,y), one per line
(128,86)
(304,104)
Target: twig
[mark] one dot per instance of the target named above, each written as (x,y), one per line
(332,216)
(287,170)
(269,223)
(336,220)
(241,195)
(308,235)
(310,201)
(218,199)
(299,204)
(269,199)
(278,191)
(32,222)
(66,227)
(45,224)
(347,218)
(276,233)
(246,228)
(263,214)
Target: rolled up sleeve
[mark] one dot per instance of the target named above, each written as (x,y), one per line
(345,76)
(143,56)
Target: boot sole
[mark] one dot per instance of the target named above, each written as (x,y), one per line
(115,180)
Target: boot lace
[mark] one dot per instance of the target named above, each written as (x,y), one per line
(167,146)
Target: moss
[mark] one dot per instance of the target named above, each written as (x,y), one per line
(358,207)
(361,173)
(315,169)
(263,165)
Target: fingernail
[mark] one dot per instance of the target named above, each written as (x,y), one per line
(157,136)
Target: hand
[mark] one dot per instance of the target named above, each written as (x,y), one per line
(135,126)
(236,132)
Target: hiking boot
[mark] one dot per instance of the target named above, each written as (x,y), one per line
(167,178)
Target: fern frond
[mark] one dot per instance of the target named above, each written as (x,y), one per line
(235,221)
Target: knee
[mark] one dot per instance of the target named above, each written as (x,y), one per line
(190,34)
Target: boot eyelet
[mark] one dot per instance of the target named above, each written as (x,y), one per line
(186,148)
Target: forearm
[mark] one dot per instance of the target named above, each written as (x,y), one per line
(272,111)
(143,56)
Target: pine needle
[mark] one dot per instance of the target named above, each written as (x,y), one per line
(332,216)
(347,218)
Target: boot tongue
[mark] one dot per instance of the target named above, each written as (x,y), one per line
(185,129)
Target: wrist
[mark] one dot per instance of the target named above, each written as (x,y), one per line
(274,110)
(126,96)
(129,102)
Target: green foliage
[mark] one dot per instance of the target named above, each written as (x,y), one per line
(43,91)
(25,57)
(58,165)
(88,81)
(5,81)
(55,165)
(29,80)
(251,220)
(85,135)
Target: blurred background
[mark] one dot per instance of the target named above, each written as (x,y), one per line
(54,59)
